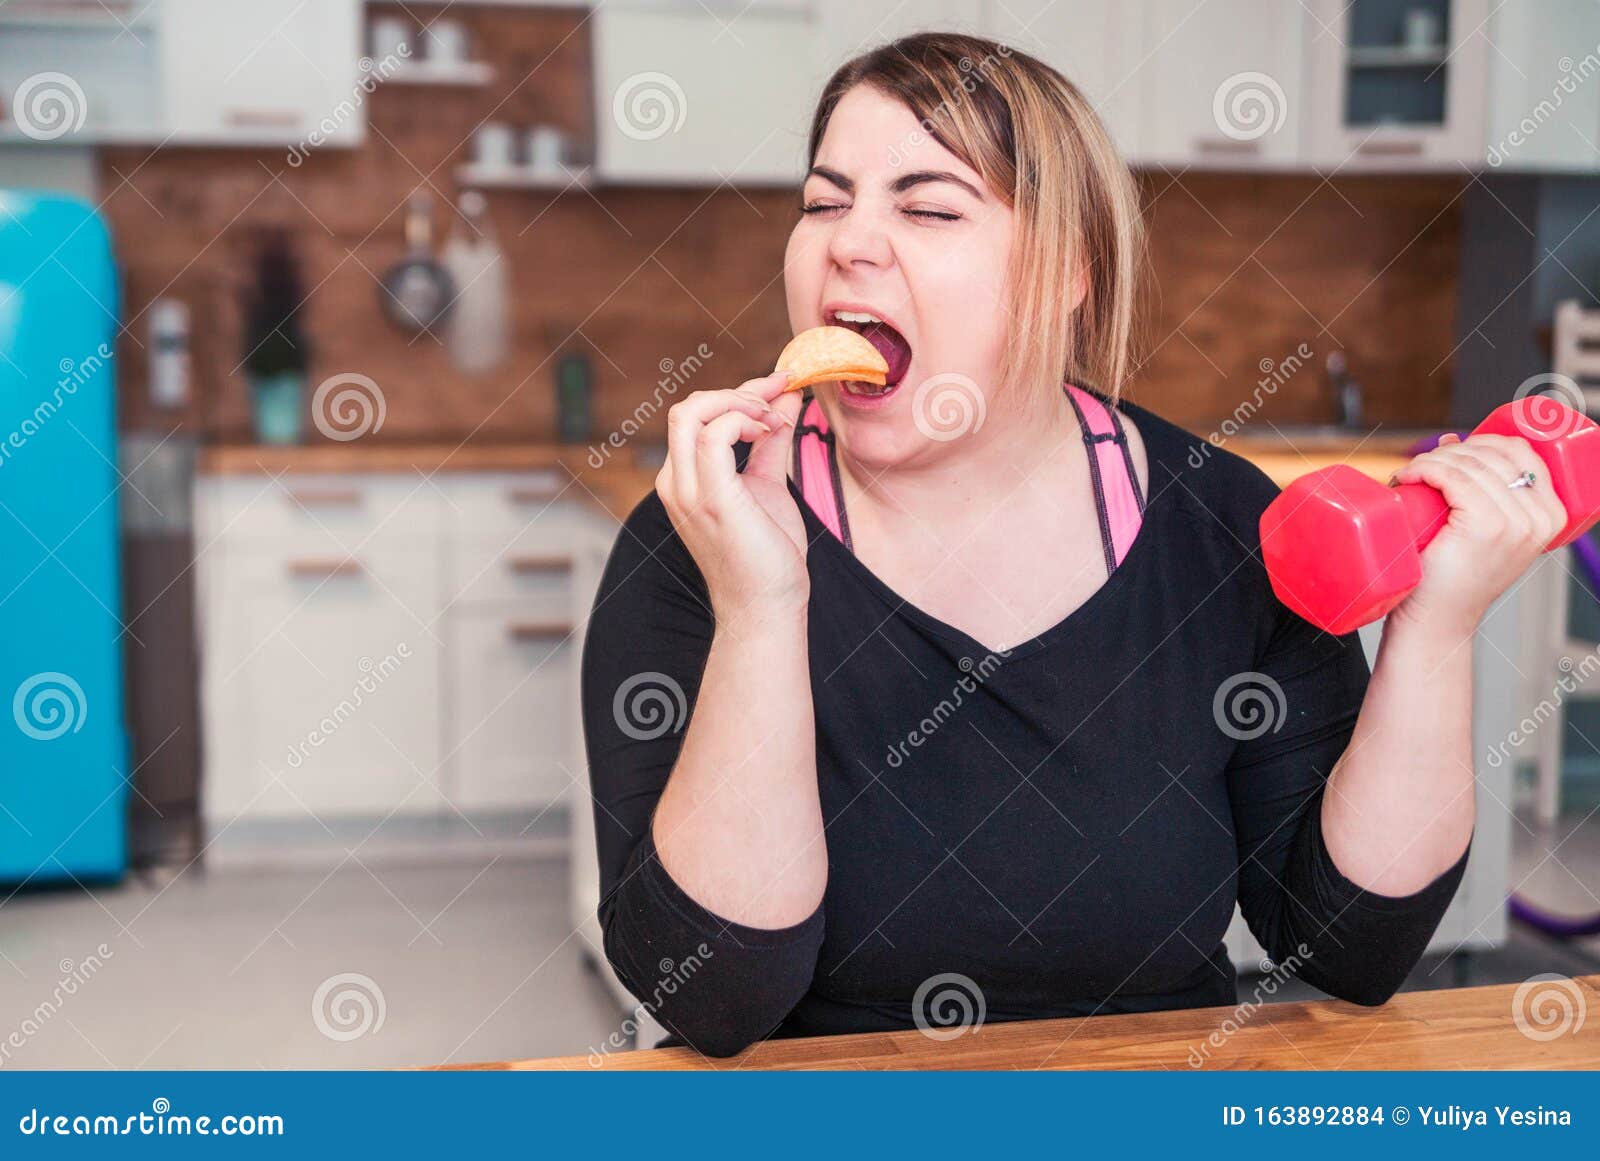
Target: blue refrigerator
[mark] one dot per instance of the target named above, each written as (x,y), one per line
(63,746)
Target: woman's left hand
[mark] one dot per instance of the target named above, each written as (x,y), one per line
(1493,532)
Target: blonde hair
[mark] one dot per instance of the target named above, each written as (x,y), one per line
(1037,143)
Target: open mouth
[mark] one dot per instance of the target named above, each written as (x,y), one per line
(888,342)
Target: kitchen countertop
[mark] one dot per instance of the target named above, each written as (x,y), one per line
(1454,1028)
(616,486)
(622,480)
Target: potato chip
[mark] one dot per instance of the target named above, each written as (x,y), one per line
(827,353)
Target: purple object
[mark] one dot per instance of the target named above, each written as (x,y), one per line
(1428,442)
(1551,924)
(1559,926)
(1588,557)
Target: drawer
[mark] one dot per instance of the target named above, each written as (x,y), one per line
(531,510)
(325,510)
(537,576)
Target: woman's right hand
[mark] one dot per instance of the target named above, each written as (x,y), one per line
(743,528)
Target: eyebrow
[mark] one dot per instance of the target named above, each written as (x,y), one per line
(902,183)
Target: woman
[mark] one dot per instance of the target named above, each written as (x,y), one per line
(1007,702)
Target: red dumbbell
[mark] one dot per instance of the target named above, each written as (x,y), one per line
(1342,549)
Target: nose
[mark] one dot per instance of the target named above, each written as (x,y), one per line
(859,239)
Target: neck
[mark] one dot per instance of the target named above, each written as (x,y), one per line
(959,486)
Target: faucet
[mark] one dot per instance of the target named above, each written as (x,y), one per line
(1346,389)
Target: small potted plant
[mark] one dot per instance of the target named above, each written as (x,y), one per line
(276,355)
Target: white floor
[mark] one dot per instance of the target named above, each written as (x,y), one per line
(468,959)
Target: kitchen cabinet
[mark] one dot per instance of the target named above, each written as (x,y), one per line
(79,75)
(686,95)
(1218,83)
(1093,43)
(318,668)
(269,72)
(1394,85)
(847,28)
(375,647)
(1544,94)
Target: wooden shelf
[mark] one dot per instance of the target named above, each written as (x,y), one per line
(460,73)
(521,177)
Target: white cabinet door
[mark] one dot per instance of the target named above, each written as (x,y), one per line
(1544,96)
(1092,43)
(509,736)
(1219,83)
(262,72)
(320,687)
(1375,104)
(694,96)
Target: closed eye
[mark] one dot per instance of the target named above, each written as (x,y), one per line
(926,215)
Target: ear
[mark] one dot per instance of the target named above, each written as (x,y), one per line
(1078,289)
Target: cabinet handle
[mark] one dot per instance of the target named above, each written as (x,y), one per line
(532,493)
(263,118)
(328,566)
(529,564)
(1223,146)
(324,497)
(1390,148)
(538,630)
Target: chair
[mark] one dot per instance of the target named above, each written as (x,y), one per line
(1550,648)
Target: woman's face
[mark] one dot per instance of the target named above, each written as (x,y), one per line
(898,227)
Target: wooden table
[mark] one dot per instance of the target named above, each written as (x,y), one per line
(1461,1028)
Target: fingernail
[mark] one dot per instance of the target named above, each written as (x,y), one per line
(774,413)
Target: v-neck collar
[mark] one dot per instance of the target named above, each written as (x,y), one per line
(1156,508)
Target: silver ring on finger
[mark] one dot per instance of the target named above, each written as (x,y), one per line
(1525,480)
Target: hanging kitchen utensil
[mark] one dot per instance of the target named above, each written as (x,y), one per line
(416,292)
(478,331)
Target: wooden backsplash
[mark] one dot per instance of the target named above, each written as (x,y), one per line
(1245,268)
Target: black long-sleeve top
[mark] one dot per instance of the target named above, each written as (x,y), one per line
(1067,826)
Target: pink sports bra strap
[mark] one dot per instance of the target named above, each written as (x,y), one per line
(1116,485)
(817,470)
